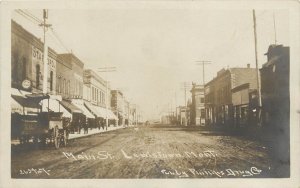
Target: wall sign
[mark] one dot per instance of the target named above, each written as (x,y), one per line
(26,84)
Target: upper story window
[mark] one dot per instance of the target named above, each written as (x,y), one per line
(51,80)
(38,72)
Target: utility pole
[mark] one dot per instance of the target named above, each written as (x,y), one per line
(185,87)
(257,71)
(203,63)
(176,107)
(45,51)
(106,69)
(274,29)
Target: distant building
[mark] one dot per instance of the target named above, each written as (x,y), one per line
(183,118)
(117,104)
(96,93)
(126,112)
(244,101)
(218,94)
(197,107)
(165,119)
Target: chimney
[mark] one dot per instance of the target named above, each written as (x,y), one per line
(248,65)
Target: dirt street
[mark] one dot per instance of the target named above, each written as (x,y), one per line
(154,151)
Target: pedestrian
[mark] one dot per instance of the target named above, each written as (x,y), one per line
(79,125)
(86,128)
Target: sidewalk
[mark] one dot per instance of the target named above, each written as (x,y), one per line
(76,135)
(94,131)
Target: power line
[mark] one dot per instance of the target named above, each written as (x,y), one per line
(27,17)
(59,39)
(35,20)
(31,15)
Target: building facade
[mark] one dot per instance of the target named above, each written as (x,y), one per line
(27,67)
(197,107)
(70,76)
(218,94)
(244,101)
(117,104)
(95,89)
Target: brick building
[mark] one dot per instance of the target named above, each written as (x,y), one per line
(218,93)
(117,104)
(27,61)
(69,76)
(244,101)
(96,89)
(95,99)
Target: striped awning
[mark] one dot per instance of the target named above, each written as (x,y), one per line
(100,111)
(70,107)
(80,105)
(55,106)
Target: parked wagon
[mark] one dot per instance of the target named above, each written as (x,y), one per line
(43,127)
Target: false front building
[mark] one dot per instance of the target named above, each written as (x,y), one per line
(219,98)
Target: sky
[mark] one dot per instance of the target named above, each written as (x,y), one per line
(155,50)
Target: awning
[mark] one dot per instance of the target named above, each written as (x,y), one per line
(96,110)
(70,107)
(16,107)
(55,106)
(85,111)
(100,111)
(21,104)
(26,102)
(16,92)
(111,115)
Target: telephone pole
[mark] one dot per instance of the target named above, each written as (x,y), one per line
(275,38)
(106,69)
(203,63)
(45,51)
(257,71)
(185,87)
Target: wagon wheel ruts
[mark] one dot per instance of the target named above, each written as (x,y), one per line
(56,137)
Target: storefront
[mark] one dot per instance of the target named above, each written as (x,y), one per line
(77,115)
(101,114)
(90,119)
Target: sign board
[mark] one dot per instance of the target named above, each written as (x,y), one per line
(26,84)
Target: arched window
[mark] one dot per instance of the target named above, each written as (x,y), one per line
(37,76)
(51,80)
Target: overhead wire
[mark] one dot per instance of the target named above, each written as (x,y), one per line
(29,14)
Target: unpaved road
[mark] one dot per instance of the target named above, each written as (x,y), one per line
(147,152)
